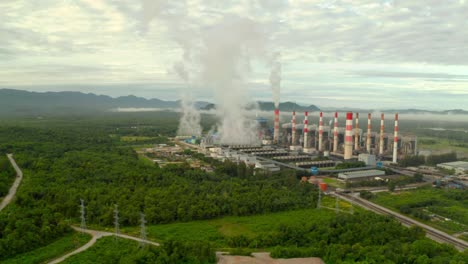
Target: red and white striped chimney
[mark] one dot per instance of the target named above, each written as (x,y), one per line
(306,129)
(356,133)
(320,143)
(395,140)
(293,129)
(335,134)
(348,149)
(382,128)
(368,143)
(276,129)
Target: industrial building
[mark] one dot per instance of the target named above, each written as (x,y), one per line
(368,159)
(360,175)
(460,167)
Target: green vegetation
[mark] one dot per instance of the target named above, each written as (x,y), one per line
(7,175)
(429,203)
(97,169)
(349,165)
(430,160)
(118,250)
(55,249)
(335,238)
(191,212)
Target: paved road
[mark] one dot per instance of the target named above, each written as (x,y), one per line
(431,232)
(19,177)
(95,236)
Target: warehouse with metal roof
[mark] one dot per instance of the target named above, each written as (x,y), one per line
(360,175)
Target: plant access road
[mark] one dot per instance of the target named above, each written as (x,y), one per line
(12,192)
(95,236)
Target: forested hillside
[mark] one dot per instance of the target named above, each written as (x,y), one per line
(62,166)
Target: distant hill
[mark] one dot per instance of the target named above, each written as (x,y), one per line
(20,102)
(270,106)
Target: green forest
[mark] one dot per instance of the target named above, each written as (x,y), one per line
(83,158)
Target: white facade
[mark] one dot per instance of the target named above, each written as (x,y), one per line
(368,159)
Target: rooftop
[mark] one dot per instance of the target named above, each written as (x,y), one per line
(458,164)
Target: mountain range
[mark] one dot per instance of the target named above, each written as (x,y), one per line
(20,102)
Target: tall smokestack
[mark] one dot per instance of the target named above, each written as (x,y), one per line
(276,129)
(348,149)
(335,134)
(306,129)
(293,129)
(395,140)
(356,133)
(382,128)
(320,144)
(368,143)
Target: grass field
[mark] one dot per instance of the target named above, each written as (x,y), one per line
(56,249)
(108,250)
(442,203)
(333,182)
(217,230)
(441,145)
(135,138)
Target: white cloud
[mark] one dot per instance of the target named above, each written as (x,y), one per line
(366,46)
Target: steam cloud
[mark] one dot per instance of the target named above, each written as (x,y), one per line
(275,78)
(215,57)
(189,123)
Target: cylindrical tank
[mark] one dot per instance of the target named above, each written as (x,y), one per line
(323,186)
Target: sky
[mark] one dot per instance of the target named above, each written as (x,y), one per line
(376,54)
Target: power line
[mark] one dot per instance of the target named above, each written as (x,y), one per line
(116,220)
(83,216)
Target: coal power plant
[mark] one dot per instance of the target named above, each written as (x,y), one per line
(303,140)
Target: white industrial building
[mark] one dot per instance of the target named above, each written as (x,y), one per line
(360,175)
(368,159)
(265,165)
(460,167)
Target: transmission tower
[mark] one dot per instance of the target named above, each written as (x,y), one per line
(116,220)
(337,204)
(319,199)
(142,230)
(83,216)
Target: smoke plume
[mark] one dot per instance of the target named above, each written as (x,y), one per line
(217,57)
(189,123)
(275,78)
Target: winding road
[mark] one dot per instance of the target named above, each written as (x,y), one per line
(95,236)
(431,232)
(12,192)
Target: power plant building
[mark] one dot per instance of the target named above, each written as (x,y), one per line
(360,175)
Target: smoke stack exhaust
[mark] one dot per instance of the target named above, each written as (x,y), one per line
(348,149)
(306,129)
(320,143)
(335,134)
(356,133)
(382,128)
(368,143)
(276,128)
(395,140)
(293,129)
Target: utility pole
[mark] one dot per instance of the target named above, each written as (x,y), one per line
(319,199)
(337,204)
(142,230)
(116,220)
(83,216)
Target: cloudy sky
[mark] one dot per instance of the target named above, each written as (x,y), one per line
(348,53)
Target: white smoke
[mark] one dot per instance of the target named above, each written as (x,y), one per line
(189,123)
(217,57)
(275,78)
